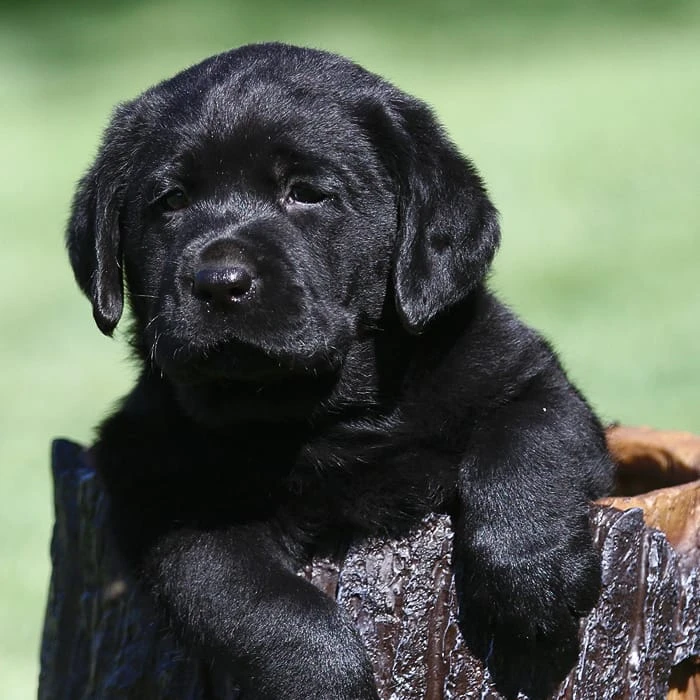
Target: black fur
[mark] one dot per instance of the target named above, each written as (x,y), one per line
(366,377)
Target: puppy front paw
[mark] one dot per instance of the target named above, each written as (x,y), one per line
(521,614)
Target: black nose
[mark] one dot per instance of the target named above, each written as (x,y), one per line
(222,286)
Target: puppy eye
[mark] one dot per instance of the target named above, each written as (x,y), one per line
(301,193)
(174,200)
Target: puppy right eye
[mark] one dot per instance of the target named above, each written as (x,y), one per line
(302,193)
(174,200)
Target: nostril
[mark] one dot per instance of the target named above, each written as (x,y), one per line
(222,285)
(239,281)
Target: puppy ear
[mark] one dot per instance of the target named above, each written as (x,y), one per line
(93,236)
(448,229)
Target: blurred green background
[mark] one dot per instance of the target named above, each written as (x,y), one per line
(584,119)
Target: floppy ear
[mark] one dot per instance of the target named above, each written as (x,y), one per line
(93,237)
(448,229)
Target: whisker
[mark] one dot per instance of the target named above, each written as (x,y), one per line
(155,318)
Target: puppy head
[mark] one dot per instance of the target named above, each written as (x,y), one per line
(263,203)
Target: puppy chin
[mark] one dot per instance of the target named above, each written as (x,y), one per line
(235,381)
(222,401)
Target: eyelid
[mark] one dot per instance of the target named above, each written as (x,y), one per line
(324,185)
(162,188)
(311,185)
(164,179)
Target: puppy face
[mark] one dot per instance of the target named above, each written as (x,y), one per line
(265,205)
(258,238)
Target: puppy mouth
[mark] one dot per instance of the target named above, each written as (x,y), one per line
(239,361)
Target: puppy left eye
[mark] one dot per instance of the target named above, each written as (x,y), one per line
(174,200)
(301,193)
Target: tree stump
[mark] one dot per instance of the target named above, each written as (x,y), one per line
(102,639)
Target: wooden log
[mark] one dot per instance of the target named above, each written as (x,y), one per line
(102,639)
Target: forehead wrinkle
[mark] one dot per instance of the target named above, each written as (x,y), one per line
(223,208)
(279,147)
(277,125)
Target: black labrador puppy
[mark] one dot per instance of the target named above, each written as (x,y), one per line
(304,253)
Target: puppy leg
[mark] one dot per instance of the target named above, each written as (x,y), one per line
(232,595)
(525,565)
(231,592)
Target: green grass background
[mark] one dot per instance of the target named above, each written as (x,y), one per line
(584,119)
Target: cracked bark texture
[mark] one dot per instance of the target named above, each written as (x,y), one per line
(102,639)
